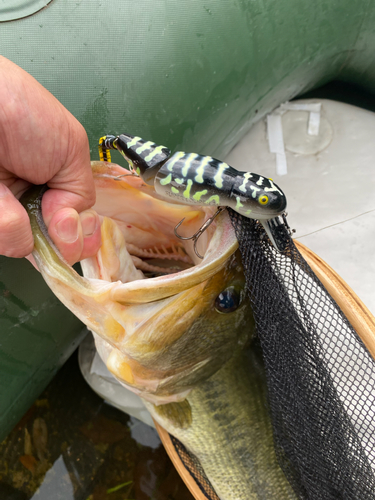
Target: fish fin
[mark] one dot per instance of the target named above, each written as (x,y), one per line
(178,414)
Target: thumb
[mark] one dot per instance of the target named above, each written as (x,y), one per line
(72,186)
(16,239)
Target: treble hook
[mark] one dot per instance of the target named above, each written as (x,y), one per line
(200,231)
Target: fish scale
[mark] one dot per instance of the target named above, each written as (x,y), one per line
(231,433)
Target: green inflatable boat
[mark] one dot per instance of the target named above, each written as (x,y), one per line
(193,75)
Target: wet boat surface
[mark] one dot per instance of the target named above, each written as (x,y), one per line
(71,445)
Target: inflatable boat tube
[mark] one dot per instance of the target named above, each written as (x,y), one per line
(191,75)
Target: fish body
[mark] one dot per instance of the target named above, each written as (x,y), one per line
(231,433)
(176,330)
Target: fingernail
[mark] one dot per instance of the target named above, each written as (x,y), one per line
(67,229)
(3,190)
(89,223)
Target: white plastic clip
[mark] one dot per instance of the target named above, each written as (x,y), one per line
(276,142)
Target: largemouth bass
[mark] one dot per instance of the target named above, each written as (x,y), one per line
(174,329)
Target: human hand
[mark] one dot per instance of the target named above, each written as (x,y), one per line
(41,142)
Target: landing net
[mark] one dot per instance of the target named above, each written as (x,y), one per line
(320,376)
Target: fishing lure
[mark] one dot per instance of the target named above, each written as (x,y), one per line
(193,179)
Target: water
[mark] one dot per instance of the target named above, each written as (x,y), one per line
(71,445)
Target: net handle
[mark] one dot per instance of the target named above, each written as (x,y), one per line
(351,305)
(181,469)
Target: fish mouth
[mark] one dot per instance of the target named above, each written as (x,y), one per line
(158,263)
(147,297)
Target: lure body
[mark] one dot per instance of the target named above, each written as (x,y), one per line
(193,179)
(201,180)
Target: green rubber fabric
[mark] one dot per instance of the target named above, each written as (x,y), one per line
(191,75)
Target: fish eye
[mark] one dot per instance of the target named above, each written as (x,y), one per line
(263,200)
(228,300)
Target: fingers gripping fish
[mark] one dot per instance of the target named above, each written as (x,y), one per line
(193,179)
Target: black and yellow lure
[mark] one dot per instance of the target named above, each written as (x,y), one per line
(193,179)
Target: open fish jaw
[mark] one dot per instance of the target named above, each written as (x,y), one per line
(146,222)
(159,336)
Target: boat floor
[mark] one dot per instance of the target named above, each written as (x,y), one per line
(329,184)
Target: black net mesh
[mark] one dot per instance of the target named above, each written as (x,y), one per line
(320,376)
